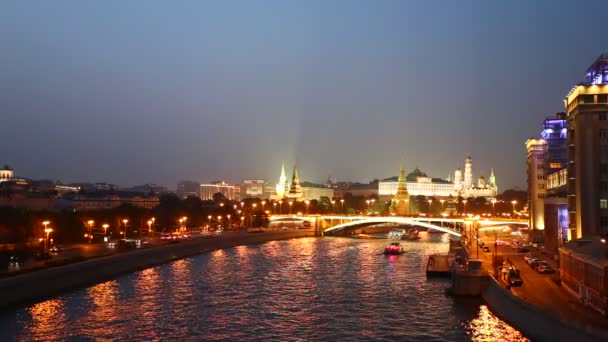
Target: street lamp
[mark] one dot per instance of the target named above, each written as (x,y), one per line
(90,235)
(153,222)
(367,201)
(45,224)
(105,229)
(209,217)
(493,205)
(342,203)
(514,202)
(149,226)
(442,204)
(430,205)
(464,207)
(333,206)
(274,210)
(263,203)
(219,219)
(125,221)
(228,217)
(290,204)
(307,202)
(47,231)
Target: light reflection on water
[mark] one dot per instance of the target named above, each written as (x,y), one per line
(299,289)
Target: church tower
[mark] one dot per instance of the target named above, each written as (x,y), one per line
(458,179)
(295,190)
(402,197)
(468,173)
(281,188)
(492,181)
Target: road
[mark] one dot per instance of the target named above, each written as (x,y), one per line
(539,289)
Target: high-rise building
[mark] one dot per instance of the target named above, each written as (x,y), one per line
(188,188)
(536,182)
(587,108)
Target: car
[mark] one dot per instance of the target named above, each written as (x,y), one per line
(54,251)
(514,278)
(166,236)
(545,269)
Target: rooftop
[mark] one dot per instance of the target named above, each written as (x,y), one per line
(597,73)
(594,250)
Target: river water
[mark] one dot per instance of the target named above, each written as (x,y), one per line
(301,289)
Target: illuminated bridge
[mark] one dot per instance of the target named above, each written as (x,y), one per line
(344,225)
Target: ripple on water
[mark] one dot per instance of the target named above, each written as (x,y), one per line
(300,289)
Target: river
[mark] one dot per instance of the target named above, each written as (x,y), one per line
(329,288)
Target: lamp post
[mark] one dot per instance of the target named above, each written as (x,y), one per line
(367,201)
(274,210)
(90,223)
(342,203)
(153,222)
(464,207)
(514,202)
(228,220)
(372,202)
(47,231)
(493,207)
(430,205)
(105,229)
(307,202)
(149,226)
(243,221)
(125,221)
(185,219)
(209,217)
(45,224)
(290,205)
(219,219)
(263,203)
(442,204)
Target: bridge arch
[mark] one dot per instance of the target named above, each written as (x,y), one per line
(395,219)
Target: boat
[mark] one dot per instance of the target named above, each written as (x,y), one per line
(394,248)
(409,234)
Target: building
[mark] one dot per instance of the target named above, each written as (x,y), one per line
(147,189)
(6,173)
(230,192)
(536,149)
(256,188)
(584,271)
(356,189)
(295,189)
(186,189)
(419,184)
(312,191)
(281,187)
(104,200)
(587,108)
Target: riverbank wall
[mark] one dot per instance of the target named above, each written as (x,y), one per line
(534,322)
(38,285)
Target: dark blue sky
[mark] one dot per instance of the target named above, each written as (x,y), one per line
(157,91)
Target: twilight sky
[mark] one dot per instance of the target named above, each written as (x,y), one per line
(132,92)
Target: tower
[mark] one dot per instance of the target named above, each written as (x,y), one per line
(281,187)
(458,179)
(587,138)
(402,197)
(468,173)
(295,190)
(492,179)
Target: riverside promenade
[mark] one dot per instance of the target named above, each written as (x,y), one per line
(41,284)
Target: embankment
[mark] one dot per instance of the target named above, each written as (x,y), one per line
(49,282)
(534,322)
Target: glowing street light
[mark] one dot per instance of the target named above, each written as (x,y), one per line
(430,204)
(125,221)
(274,210)
(493,204)
(442,204)
(47,231)
(263,203)
(342,203)
(514,202)
(149,226)
(307,202)
(105,228)
(464,207)
(290,204)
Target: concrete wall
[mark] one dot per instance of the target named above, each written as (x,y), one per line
(533,322)
(41,284)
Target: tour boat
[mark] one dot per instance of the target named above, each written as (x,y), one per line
(409,234)
(394,248)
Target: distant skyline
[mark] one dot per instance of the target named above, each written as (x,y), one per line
(157,92)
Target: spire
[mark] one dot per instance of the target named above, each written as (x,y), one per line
(295,190)
(281,187)
(402,186)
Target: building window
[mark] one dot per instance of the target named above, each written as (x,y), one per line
(603,132)
(587,99)
(604,203)
(540,167)
(541,186)
(603,98)
(603,186)
(541,196)
(602,116)
(555,165)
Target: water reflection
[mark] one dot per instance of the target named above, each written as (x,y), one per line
(310,289)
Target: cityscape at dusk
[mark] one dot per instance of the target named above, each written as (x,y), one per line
(316,171)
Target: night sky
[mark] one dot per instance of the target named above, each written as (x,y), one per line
(132,92)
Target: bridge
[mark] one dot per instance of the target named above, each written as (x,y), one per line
(340,224)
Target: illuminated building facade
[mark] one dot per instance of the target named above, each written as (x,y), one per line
(536,149)
(401,200)
(257,188)
(419,184)
(6,173)
(230,192)
(587,108)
